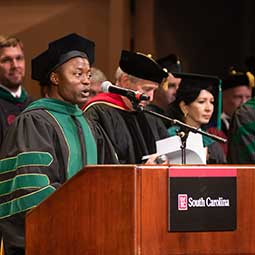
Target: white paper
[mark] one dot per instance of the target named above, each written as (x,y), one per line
(171,147)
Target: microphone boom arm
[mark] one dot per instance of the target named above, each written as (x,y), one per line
(183,125)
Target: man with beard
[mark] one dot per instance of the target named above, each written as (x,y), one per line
(13,98)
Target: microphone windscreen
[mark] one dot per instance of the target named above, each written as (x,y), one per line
(105,86)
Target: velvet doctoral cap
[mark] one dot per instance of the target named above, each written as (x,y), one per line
(141,66)
(171,62)
(236,79)
(59,52)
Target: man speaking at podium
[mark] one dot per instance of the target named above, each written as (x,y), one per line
(51,140)
(132,133)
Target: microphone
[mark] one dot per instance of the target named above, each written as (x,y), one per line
(107,86)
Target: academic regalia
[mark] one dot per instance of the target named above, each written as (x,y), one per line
(10,108)
(46,145)
(220,133)
(189,89)
(241,145)
(233,80)
(133,134)
(155,108)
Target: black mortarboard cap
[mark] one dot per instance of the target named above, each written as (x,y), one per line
(236,79)
(197,82)
(171,62)
(141,66)
(59,52)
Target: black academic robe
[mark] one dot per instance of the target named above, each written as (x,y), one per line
(45,146)
(133,134)
(156,109)
(241,145)
(10,108)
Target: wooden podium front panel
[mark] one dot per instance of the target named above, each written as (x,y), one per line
(123,210)
(156,240)
(94,213)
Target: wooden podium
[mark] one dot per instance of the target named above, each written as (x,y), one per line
(122,210)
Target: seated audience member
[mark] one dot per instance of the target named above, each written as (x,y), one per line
(241,145)
(132,133)
(237,89)
(13,97)
(51,140)
(165,94)
(194,105)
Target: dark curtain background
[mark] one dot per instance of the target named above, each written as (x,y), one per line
(208,36)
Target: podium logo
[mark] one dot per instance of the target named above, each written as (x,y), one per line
(185,202)
(182,202)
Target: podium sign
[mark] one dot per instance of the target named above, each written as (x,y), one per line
(202,198)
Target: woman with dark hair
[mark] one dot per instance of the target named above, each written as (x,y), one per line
(194,105)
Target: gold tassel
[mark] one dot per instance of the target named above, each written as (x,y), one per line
(251,79)
(2,247)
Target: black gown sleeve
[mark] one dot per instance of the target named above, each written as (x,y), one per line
(216,154)
(241,145)
(132,134)
(33,159)
(114,126)
(106,153)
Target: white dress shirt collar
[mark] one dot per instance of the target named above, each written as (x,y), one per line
(15,94)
